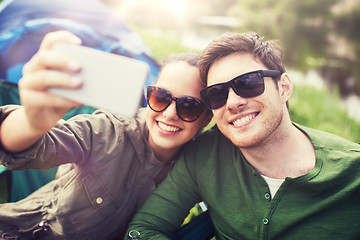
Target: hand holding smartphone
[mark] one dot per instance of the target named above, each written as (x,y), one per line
(110,81)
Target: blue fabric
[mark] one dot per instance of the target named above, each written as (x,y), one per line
(25,182)
(24,23)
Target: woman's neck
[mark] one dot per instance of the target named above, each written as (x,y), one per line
(164,155)
(167,157)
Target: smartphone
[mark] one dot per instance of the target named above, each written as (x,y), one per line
(110,81)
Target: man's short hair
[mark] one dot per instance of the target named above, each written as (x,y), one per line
(267,52)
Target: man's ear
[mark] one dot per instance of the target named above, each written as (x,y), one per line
(285,87)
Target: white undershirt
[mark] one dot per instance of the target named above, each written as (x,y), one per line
(273,183)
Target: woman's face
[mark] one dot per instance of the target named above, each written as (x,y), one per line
(167,132)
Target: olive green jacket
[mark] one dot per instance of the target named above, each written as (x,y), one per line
(105,177)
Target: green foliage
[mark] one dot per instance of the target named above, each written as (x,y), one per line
(194,212)
(325,30)
(162,45)
(322,110)
(300,25)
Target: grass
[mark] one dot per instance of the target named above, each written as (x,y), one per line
(161,44)
(321,109)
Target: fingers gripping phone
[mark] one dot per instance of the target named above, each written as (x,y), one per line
(110,81)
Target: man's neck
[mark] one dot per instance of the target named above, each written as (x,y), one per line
(287,153)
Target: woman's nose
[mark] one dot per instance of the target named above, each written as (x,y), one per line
(170,111)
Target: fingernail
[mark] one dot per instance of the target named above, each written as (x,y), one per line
(74,65)
(75,81)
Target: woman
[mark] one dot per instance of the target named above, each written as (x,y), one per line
(115,162)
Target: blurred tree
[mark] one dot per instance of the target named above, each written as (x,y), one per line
(347,23)
(311,34)
(212,7)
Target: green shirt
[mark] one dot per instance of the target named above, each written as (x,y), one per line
(322,204)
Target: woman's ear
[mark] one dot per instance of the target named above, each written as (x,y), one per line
(285,86)
(207,119)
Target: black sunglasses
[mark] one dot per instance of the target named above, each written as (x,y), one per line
(247,85)
(187,108)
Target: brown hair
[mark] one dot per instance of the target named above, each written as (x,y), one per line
(267,52)
(190,58)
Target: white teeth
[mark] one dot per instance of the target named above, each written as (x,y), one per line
(243,120)
(168,128)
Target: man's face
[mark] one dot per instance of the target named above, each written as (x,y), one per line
(247,122)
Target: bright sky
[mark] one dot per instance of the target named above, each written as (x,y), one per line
(174,8)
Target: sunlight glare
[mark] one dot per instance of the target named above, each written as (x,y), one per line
(173,8)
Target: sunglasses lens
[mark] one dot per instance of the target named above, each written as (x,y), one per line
(215,96)
(189,108)
(246,86)
(249,85)
(158,99)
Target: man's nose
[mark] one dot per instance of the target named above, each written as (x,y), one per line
(234,101)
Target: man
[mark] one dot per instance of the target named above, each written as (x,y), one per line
(262,176)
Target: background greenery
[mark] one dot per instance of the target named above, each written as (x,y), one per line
(309,106)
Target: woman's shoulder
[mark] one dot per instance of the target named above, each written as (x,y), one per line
(105,118)
(206,142)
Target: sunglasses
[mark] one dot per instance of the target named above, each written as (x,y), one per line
(188,109)
(247,85)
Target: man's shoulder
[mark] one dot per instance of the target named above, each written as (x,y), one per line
(325,140)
